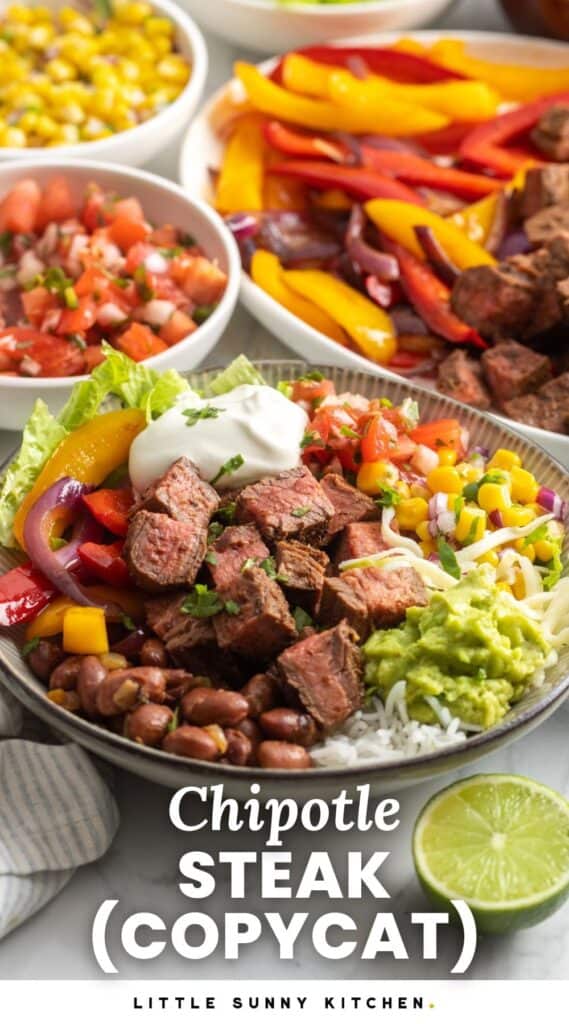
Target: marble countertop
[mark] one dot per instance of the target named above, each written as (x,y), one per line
(141,868)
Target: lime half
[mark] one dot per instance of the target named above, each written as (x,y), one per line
(499,842)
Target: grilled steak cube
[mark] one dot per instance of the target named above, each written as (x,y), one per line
(340,601)
(358,540)
(497,300)
(301,571)
(194,647)
(182,494)
(290,506)
(325,672)
(544,186)
(350,505)
(539,411)
(512,369)
(546,224)
(162,553)
(231,552)
(460,377)
(371,597)
(258,623)
(164,614)
(551,133)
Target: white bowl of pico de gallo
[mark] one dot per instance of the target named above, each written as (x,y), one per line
(94,255)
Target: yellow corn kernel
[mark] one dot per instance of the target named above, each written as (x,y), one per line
(525,487)
(72,21)
(132,13)
(14,137)
(471,525)
(42,13)
(423,532)
(494,496)
(446,479)
(490,558)
(67,699)
(60,70)
(155,26)
(46,127)
(403,489)
(372,476)
(519,587)
(524,548)
(469,474)
(85,631)
(518,515)
(410,512)
(544,550)
(71,114)
(419,491)
(447,456)
(28,121)
(428,547)
(173,68)
(38,37)
(19,13)
(503,458)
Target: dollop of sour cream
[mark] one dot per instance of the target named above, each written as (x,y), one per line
(253,421)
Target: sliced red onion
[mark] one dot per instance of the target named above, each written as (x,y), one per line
(352,144)
(552,502)
(407,321)
(496,518)
(499,225)
(379,291)
(369,260)
(130,646)
(480,449)
(438,504)
(242,225)
(394,144)
(437,257)
(433,557)
(514,244)
(357,66)
(66,493)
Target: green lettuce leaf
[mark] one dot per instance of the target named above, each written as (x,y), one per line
(42,434)
(240,371)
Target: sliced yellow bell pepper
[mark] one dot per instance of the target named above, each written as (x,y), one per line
(267,273)
(240,183)
(514,81)
(89,454)
(49,622)
(300,74)
(85,631)
(476,220)
(368,325)
(396,119)
(399,219)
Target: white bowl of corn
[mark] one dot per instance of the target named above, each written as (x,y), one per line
(106,80)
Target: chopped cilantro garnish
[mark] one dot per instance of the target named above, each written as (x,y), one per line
(77,340)
(309,439)
(30,646)
(231,466)
(208,412)
(215,530)
(70,298)
(249,563)
(448,558)
(301,511)
(211,558)
(128,623)
(174,721)
(144,290)
(301,618)
(227,512)
(388,497)
(232,607)
(202,603)
(5,242)
(348,432)
(540,533)
(313,375)
(201,313)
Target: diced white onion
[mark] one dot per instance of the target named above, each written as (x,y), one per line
(73,262)
(156,312)
(155,263)
(29,268)
(424,459)
(110,314)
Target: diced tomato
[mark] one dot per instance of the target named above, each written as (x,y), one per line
(165,288)
(93,356)
(305,390)
(92,212)
(56,357)
(439,434)
(377,439)
(137,255)
(75,321)
(110,507)
(93,283)
(37,303)
(105,561)
(126,232)
(57,203)
(177,327)
(129,208)
(139,342)
(166,236)
(203,282)
(19,207)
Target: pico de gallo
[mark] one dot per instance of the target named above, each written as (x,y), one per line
(76,271)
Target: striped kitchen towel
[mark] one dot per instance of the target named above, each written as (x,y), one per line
(56,813)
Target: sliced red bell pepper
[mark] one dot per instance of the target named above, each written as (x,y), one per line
(295,143)
(485,144)
(105,562)
(24,591)
(111,508)
(382,60)
(414,170)
(444,140)
(403,360)
(360,182)
(430,297)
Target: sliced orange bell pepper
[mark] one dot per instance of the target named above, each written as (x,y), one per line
(49,622)
(399,220)
(89,454)
(267,273)
(396,118)
(513,81)
(240,183)
(368,325)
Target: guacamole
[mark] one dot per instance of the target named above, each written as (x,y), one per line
(471,648)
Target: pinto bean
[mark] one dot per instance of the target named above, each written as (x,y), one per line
(148,724)
(153,653)
(289,756)
(190,741)
(91,675)
(262,693)
(179,681)
(44,659)
(290,725)
(122,690)
(203,706)
(251,730)
(239,747)
(65,676)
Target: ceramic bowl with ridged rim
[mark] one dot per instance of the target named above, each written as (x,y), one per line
(174,771)
(202,150)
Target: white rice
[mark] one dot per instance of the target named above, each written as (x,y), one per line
(384,732)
